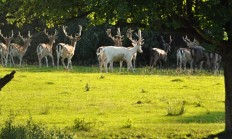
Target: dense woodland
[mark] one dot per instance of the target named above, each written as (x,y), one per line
(209,21)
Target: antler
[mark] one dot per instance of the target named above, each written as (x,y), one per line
(170,39)
(24,39)
(21,36)
(119,33)
(11,37)
(108,32)
(129,35)
(79,34)
(186,39)
(65,32)
(140,41)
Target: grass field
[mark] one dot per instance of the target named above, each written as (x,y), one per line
(87,104)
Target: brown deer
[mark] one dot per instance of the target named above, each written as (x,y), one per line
(159,55)
(19,51)
(44,50)
(4,48)
(67,50)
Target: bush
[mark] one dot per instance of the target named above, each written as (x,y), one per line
(82,125)
(29,130)
(175,108)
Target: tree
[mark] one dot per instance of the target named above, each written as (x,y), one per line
(208,20)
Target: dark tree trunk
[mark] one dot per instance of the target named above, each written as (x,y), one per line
(227,59)
(228,92)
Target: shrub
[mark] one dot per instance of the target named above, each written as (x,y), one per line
(29,130)
(82,125)
(175,108)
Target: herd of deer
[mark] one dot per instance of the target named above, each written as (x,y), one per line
(194,54)
(66,51)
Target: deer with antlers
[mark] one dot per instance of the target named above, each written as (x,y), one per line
(67,50)
(117,42)
(159,55)
(44,50)
(194,54)
(109,54)
(5,48)
(19,51)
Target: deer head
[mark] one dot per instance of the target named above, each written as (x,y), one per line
(7,39)
(117,39)
(190,43)
(167,46)
(26,40)
(77,36)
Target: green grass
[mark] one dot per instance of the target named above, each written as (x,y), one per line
(115,105)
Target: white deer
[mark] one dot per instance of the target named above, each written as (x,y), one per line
(117,42)
(67,50)
(109,54)
(5,48)
(19,51)
(44,50)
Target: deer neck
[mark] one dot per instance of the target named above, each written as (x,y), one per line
(134,49)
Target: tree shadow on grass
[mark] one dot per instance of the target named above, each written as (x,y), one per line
(211,117)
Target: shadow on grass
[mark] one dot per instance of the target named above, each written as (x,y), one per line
(210,117)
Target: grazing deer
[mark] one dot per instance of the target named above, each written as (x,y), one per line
(67,51)
(5,48)
(19,51)
(159,55)
(183,57)
(109,54)
(44,50)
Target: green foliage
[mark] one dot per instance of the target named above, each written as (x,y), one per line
(29,130)
(82,125)
(175,108)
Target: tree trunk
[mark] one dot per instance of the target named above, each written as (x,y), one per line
(228,93)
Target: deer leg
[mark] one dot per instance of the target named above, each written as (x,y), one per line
(62,60)
(20,61)
(52,60)
(46,60)
(120,68)
(105,65)
(58,59)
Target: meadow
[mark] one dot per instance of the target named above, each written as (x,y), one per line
(87,104)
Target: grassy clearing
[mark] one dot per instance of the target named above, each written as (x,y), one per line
(116,105)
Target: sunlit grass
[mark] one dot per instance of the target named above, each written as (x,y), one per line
(126,104)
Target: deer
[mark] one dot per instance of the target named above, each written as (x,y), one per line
(19,51)
(67,50)
(214,61)
(117,39)
(159,55)
(195,54)
(109,54)
(5,47)
(45,49)
(117,42)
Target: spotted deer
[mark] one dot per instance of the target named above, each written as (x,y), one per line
(67,50)
(159,55)
(45,49)
(5,48)
(19,51)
